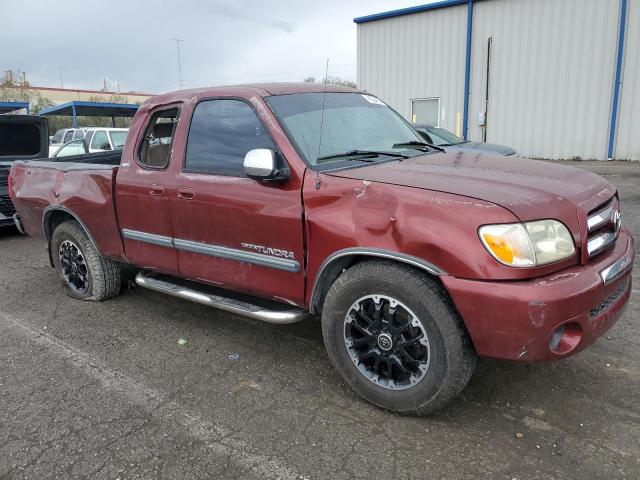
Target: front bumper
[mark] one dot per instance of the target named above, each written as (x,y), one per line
(549,317)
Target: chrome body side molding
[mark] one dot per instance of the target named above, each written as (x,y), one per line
(152,238)
(261,259)
(238,255)
(287,315)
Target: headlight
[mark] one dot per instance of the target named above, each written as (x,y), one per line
(528,244)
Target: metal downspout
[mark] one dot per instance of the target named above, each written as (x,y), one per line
(618,79)
(467,70)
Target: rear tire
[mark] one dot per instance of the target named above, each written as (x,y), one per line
(396,338)
(85,274)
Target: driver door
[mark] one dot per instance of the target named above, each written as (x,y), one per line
(229,230)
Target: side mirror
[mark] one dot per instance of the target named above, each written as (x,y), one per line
(262,164)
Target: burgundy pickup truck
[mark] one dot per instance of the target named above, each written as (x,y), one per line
(278,201)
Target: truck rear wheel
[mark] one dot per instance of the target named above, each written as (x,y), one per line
(86,274)
(394,335)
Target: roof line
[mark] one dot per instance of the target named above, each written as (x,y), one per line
(103,92)
(409,10)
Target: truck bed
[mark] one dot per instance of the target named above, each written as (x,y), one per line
(73,188)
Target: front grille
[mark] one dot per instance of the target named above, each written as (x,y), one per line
(6,206)
(603,226)
(610,300)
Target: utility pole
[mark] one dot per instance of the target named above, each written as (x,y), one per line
(60,73)
(180,82)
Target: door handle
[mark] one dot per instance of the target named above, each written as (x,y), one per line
(156,190)
(185,193)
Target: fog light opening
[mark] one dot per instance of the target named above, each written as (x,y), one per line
(565,338)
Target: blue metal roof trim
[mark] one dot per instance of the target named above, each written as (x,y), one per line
(79,104)
(409,10)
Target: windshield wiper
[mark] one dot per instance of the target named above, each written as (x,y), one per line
(361,154)
(415,143)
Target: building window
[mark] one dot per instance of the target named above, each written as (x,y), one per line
(426,111)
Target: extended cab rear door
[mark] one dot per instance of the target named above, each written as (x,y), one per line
(143,188)
(230,230)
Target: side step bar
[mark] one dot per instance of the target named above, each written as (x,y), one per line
(238,307)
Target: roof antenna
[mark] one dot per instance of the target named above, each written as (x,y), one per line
(324,98)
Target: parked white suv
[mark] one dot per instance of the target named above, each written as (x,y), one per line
(101,139)
(63,136)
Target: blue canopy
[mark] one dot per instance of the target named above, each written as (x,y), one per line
(7,107)
(91,109)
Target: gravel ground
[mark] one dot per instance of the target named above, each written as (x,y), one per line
(104,391)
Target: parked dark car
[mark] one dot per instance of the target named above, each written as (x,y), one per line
(22,137)
(451,142)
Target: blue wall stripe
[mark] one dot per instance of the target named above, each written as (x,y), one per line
(467,71)
(618,79)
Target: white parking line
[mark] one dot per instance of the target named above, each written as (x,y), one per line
(159,406)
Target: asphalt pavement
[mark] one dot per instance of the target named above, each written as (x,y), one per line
(104,390)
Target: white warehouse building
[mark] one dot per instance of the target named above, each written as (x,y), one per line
(555,79)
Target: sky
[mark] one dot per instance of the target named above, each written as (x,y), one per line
(130,43)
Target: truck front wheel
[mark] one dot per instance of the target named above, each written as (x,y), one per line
(396,338)
(85,274)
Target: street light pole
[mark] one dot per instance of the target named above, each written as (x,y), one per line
(180,82)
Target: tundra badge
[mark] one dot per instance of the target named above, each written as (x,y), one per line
(274,252)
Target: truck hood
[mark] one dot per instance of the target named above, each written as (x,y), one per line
(529,189)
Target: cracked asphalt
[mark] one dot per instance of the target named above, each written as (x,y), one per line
(103,390)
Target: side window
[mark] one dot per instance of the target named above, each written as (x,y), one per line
(68,136)
(100,141)
(78,134)
(155,150)
(87,137)
(220,135)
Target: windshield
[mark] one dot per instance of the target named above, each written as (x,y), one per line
(442,137)
(351,122)
(118,138)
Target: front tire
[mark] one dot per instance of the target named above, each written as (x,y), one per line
(396,338)
(85,274)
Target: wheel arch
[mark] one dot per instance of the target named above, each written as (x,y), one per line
(56,215)
(333,266)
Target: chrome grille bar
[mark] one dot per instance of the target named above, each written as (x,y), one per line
(600,218)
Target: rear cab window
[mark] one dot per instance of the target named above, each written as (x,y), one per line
(221,133)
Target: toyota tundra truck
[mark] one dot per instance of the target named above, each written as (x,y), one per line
(286,201)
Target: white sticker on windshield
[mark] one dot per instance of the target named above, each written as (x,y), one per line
(373,100)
